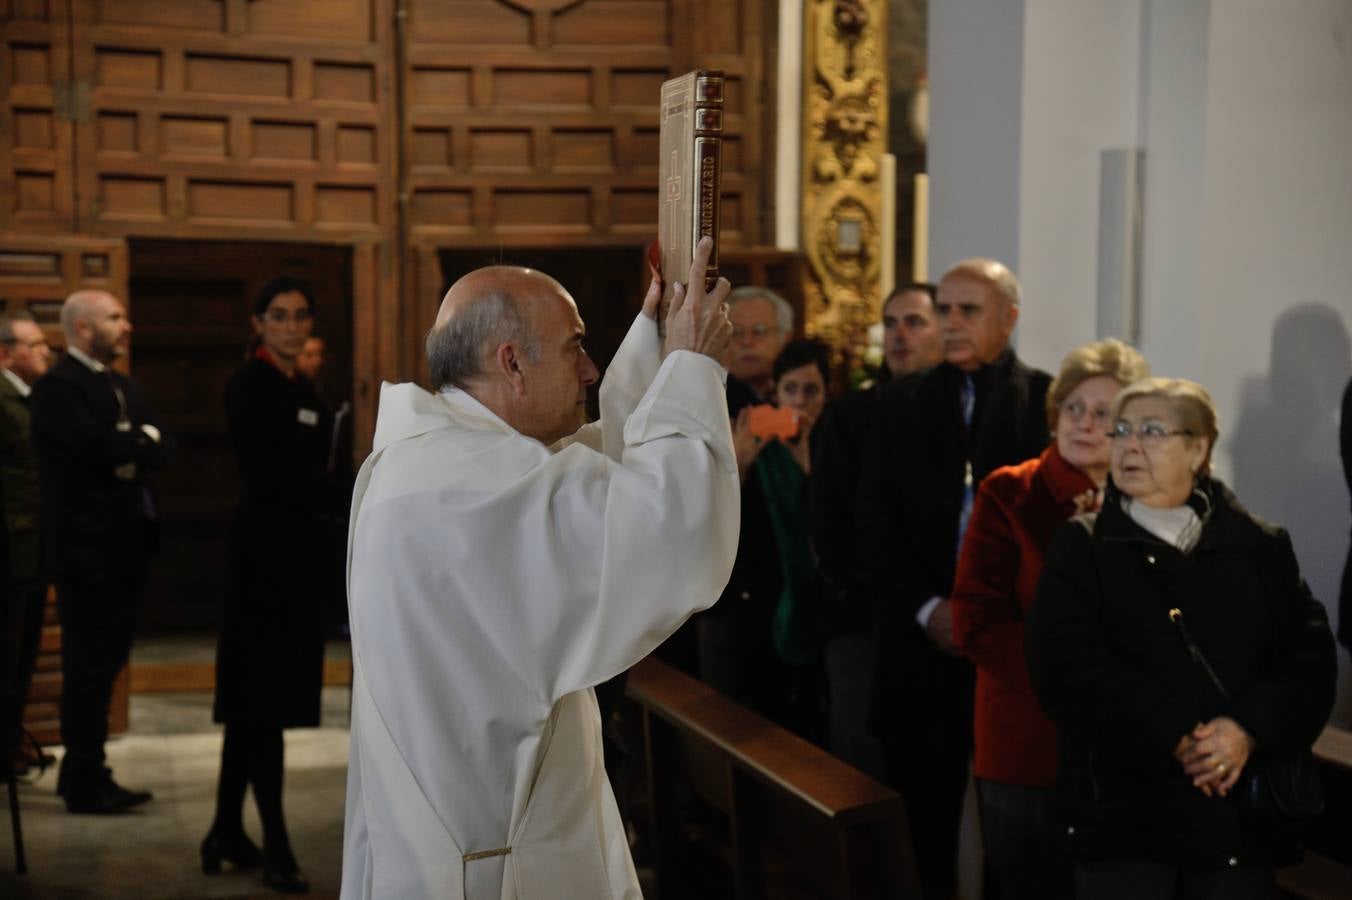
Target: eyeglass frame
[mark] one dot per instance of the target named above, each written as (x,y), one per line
(760,331)
(1122,430)
(1068,408)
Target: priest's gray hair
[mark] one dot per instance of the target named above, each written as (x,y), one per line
(783,309)
(458,349)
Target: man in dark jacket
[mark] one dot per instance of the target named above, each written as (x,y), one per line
(24,356)
(911,343)
(96,439)
(937,434)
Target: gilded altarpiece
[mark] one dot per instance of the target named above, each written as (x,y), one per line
(845,134)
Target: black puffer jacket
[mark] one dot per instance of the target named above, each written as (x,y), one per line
(1114,672)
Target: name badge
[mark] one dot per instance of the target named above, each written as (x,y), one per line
(307,416)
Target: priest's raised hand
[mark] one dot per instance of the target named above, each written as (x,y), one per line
(697,320)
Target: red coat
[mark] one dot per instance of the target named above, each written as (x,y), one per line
(1015,513)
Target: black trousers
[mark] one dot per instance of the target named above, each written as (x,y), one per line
(98,615)
(931,777)
(1023,833)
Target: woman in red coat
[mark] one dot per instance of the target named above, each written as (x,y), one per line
(1014,515)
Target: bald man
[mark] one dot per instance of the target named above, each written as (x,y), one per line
(505,558)
(936,435)
(97,440)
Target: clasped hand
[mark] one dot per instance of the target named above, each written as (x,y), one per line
(1214,754)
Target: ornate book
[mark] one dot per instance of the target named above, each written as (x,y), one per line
(691,168)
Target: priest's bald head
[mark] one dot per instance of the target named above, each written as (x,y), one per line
(512,339)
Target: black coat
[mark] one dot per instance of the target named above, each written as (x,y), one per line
(838,442)
(98,512)
(910,498)
(1114,672)
(270,659)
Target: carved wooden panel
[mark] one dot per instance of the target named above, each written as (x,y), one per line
(257,118)
(36,136)
(37,273)
(537,123)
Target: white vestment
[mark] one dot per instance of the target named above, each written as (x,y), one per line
(492,582)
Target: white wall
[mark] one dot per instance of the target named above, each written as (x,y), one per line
(1276,265)
(976,66)
(1066,122)
(1244,108)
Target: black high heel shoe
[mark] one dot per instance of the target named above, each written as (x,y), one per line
(238,850)
(285,877)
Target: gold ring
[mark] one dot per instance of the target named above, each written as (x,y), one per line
(1220,768)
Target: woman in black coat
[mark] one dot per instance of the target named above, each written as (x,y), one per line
(269,662)
(1156,736)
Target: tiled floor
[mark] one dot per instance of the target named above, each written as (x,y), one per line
(173,750)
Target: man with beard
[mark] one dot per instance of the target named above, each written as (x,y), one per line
(96,439)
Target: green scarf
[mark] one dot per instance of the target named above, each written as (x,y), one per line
(797,626)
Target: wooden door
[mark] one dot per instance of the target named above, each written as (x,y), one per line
(193,302)
(37,166)
(36,275)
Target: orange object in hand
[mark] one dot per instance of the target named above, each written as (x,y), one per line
(772,422)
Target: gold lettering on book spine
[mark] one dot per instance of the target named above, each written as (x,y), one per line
(844,138)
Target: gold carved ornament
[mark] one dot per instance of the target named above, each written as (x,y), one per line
(845,133)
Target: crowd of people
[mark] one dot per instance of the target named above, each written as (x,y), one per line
(79,445)
(966,566)
(907,593)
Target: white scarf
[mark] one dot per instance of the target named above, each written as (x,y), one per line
(1179,526)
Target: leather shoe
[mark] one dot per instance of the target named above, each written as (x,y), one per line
(237,850)
(287,878)
(107,798)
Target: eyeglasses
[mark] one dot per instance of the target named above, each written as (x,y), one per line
(755,331)
(1151,434)
(1076,411)
(281,316)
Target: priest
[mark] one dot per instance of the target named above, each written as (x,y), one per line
(503,559)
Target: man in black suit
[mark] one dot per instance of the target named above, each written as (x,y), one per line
(96,440)
(912,342)
(24,357)
(937,434)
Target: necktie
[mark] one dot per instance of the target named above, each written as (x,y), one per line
(968,398)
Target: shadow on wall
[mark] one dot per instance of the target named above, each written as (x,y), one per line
(1285,452)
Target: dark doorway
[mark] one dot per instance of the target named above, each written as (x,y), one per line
(190,303)
(606,282)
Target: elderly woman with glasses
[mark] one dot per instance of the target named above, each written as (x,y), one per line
(1175,643)
(1015,513)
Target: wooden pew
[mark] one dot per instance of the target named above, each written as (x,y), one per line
(1321,877)
(800,823)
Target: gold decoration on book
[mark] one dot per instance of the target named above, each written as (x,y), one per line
(845,136)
